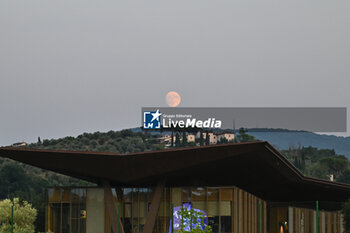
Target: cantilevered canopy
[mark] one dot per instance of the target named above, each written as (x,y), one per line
(255,167)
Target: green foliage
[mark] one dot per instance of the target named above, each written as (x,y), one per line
(201,139)
(177,140)
(244,137)
(223,141)
(192,221)
(334,165)
(344,177)
(172,138)
(124,141)
(207,138)
(29,183)
(23,216)
(184,139)
(319,163)
(346,216)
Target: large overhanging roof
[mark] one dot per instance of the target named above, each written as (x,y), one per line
(255,167)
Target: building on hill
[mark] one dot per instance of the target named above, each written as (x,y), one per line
(212,137)
(191,138)
(230,137)
(240,188)
(19,144)
(215,138)
(166,139)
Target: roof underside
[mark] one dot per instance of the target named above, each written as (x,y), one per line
(255,167)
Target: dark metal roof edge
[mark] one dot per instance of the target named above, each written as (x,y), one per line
(265,144)
(27,149)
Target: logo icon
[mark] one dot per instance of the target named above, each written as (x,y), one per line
(151,120)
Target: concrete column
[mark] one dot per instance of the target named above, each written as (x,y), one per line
(290,220)
(323,225)
(95,210)
(341,223)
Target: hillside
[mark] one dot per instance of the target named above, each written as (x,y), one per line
(123,142)
(284,139)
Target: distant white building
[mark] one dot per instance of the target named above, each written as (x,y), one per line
(212,137)
(191,138)
(19,144)
(228,136)
(215,138)
(166,139)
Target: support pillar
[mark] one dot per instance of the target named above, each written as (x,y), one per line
(152,214)
(113,211)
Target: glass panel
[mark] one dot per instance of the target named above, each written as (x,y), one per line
(226,197)
(213,209)
(54,194)
(55,218)
(145,197)
(75,217)
(127,217)
(127,192)
(127,209)
(135,211)
(225,216)
(65,218)
(186,194)
(226,224)
(176,196)
(198,196)
(78,199)
(164,213)
(214,223)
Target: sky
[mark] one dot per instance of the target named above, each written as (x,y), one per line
(68,67)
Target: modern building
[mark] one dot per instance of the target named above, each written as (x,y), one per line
(240,188)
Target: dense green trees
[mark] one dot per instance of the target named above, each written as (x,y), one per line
(124,141)
(29,183)
(319,163)
(242,136)
(177,140)
(207,138)
(24,216)
(201,139)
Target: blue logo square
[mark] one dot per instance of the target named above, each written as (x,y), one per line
(151,120)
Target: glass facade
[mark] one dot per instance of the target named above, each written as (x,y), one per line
(303,220)
(226,209)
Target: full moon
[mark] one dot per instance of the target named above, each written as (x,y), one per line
(173,99)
